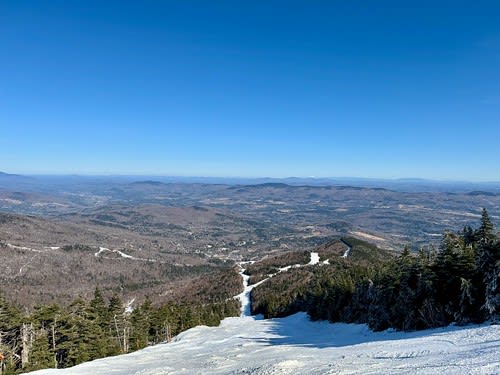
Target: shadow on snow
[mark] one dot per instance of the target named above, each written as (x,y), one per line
(298,330)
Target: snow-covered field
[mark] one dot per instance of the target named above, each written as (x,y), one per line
(294,345)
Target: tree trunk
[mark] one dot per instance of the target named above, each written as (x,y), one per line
(126,330)
(118,334)
(27,343)
(54,342)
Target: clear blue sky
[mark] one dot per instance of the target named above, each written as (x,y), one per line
(251,88)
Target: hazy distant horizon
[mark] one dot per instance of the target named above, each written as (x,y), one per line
(262,177)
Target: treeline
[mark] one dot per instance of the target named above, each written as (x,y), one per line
(459,282)
(53,336)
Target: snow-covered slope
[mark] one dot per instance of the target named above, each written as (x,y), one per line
(294,345)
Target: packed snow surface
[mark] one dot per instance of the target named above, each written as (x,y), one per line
(294,345)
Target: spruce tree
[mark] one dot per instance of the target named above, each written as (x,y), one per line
(41,354)
(490,267)
(485,232)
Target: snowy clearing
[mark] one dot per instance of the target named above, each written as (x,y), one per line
(121,254)
(314,258)
(10,246)
(294,345)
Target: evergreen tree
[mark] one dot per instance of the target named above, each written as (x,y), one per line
(469,236)
(10,333)
(490,266)
(41,355)
(83,337)
(99,308)
(118,326)
(45,319)
(485,232)
(140,321)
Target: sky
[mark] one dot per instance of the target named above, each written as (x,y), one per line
(379,89)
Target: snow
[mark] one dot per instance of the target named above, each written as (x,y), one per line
(295,345)
(314,258)
(347,250)
(23,248)
(284,269)
(129,308)
(244,296)
(122,254)
(16,247)
(101,250)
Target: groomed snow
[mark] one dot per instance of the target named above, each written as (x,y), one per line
(294,345)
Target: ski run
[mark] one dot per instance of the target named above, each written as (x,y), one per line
(295,345)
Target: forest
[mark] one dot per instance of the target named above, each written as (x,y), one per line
(457,283)
(55,336)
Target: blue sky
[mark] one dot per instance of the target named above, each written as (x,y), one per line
(383,89)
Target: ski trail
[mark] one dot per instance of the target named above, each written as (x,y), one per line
(122,254)
(347,251)
(245,296)
(314,258)
(23,248)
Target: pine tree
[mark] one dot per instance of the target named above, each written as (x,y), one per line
(98,306)
(140,321)
(83,337)
(46,319)
(490,267)
(485,232)
(41,355)
(10,331)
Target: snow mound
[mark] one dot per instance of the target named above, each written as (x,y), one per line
(295,345)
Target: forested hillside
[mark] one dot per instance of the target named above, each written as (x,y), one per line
(459,282)
(354,281)
(62,336)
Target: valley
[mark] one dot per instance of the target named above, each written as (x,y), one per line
(295,345)
(137,263)
(146,237)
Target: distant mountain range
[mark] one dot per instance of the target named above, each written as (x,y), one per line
(402,184)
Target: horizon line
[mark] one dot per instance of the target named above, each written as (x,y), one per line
(140,175)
